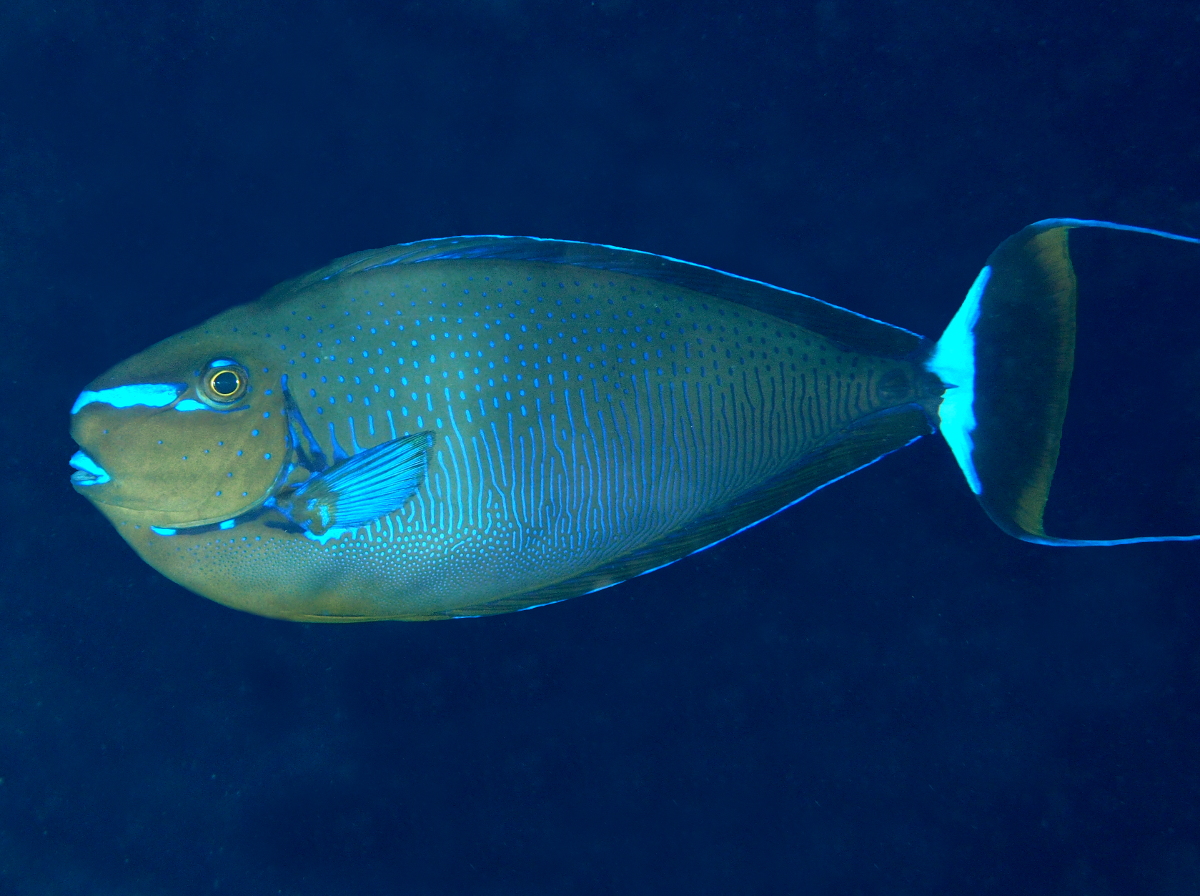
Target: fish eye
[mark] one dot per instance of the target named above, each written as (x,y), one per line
(224,382)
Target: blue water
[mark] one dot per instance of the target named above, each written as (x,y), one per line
(874,692)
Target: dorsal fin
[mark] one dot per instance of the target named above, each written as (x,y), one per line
(852,330)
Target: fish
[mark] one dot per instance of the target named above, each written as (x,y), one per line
(475,425)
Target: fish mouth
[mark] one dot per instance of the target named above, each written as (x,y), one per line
(87,471)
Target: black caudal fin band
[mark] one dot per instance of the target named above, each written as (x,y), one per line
(1006,360)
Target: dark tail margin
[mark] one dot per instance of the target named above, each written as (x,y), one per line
(1006,360)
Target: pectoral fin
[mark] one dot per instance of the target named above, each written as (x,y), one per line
(360,489)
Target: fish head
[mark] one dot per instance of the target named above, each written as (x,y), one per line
(193,431)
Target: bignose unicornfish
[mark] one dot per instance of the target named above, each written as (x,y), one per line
(474,425)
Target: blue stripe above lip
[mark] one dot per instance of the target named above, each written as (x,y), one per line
(153,395)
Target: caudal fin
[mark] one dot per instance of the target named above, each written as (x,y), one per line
(1006,360)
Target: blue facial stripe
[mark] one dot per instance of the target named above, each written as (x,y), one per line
(159,530)
(953,362)
(221,362)
(153,395)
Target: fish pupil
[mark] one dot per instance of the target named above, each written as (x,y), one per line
(225,383)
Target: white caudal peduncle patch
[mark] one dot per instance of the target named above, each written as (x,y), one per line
(953,362)
(153,395)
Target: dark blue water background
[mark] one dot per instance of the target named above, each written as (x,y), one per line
(875,692)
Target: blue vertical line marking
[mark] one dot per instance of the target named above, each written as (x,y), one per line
(513,480)
(446,524)
(692,477)
(554,440)
(543,453)
(656,449)
(479,508)
(592,509)
(615,506)
(760,426)
(502,483)
(629,499)
(421,521)
(551,475)
(457,476)
(641,433)
(680,454)
(595,504)
(524,481)
(574,468)
(612,463)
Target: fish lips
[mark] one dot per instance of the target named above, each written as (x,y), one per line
(87,473)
